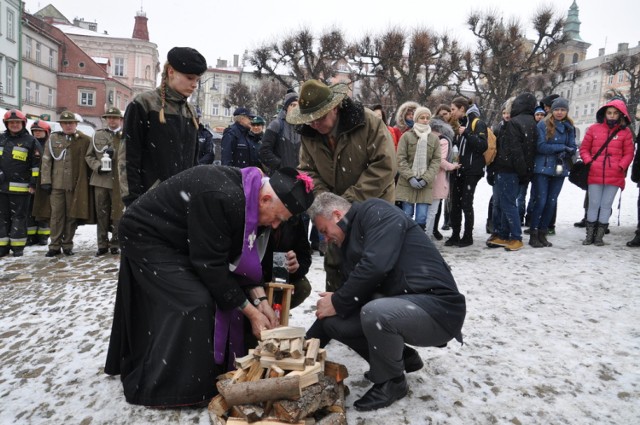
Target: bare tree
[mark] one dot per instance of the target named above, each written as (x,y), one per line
(239,95)
(504,59)
(301,56)
(268,97)
(630,65)
(402,65)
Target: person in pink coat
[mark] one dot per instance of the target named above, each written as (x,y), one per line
(608,170)
(441,183)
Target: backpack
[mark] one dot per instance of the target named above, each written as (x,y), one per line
(492,150)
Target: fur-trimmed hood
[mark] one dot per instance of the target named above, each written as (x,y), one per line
(402,111)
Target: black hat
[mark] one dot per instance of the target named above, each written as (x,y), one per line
(295,189)
(547,101)
(187,60)
(288,98)
(243,111)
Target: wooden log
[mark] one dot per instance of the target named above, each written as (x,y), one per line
(296,348)
(255,372)
(314,397)
(270,345)
(266,421)
(285,345)
(244,362)
(218,406)
(337,371)
(287,363)
(251,412)
(287,387)
(226,375)
(275,372)
(333,419)
(312,351)
(216,420)
(283,332)
(309,376)
(240,375)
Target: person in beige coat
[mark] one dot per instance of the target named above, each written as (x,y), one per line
(418,164)
(65,176)
(106,184)
(346,149)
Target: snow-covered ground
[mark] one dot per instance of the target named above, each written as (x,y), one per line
(551,336)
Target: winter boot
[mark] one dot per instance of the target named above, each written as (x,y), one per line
(454,240)
(466,240)
(534,240)
(581,223)
(4,250)
(542,237)
(591,231)
(635,241)
(600,231)
(18,252)
(437,235)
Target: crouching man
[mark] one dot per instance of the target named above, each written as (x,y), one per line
(397,290)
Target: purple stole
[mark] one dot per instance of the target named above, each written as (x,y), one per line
(229,326)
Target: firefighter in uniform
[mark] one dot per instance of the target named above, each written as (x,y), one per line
(38,230)
(105,182)
(18,173)
(65,176)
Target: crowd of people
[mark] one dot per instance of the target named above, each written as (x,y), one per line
(190,301)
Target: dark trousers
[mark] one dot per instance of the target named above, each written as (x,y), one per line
(104,204)
(463,189)
(506,218)
(13,220)
(547,189)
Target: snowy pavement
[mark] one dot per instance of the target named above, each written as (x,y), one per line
(551,336)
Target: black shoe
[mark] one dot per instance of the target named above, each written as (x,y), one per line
(454,240)
(44,240)
(465,241)
(4,251)
(635,241)
(437,235)
(445,227)
(581,223)
(115,251)
(383,395)
(18,253)
(68,251)
(52,253)
(101,251)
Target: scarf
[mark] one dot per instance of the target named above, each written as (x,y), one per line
(229,324)
(420,159)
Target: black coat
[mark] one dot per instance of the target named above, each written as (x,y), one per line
(19,162)
(291,235)
(238,148)
(280,145)
(517,143)
(399,263)
(471,146)
(635,168)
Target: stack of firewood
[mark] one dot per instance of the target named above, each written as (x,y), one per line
(285,379)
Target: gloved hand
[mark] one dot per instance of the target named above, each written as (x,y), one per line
(415,183)
(568,149)
(101,171)
(109,151)
(422,183)
(46,188)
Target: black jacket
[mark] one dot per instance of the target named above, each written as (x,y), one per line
(635,168)
(19,162)
(291,235)
(517,143)
(280,144)
(400,263)
(206,154)
(471,145)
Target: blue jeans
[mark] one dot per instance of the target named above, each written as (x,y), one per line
(546,190)
(522,200)
(601,197)
(420,210)
(505,206)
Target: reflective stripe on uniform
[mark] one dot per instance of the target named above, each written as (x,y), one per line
(1,150)
(4,241)
(19,153)
(18,242)
(32,230)
(35,171)
(44,231)
(18,187)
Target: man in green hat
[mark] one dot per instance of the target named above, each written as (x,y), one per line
(105,181)
(65,176)
(346,149)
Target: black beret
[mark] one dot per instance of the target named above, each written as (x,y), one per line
(187,60)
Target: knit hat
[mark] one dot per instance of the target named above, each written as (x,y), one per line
(288,98)
(187,60)
(420,111)
(68,116)
(243,111)
(539,110)
(560,103)
(316,100)
(294,189)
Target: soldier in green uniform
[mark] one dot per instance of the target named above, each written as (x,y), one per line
(105,182)
(65,175)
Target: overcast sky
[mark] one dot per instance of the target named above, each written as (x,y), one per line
(220,28)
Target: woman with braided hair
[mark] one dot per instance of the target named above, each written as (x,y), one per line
(161,127)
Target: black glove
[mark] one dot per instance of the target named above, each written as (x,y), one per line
(1,176)
(101,171)
(46,188)
(109,151)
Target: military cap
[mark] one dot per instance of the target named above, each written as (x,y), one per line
(113,112)
(68,116)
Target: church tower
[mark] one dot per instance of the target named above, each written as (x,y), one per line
(140,30)
(575,49)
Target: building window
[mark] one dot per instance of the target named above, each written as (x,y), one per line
(11,68)
(81,64)
(584,111)
(610,79)
(118,70)
(147,72)
(215,110)
(593,108)
(11,25)
(575,58)
(568,94)
(37,94)
(595,85)
(50,98)
(86,97)
(580,89)
(561,59)
(577,114)
(27,91)
(227,112)
(27,47)
(588,85)
(620,76)
(52,61)
(38,52)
